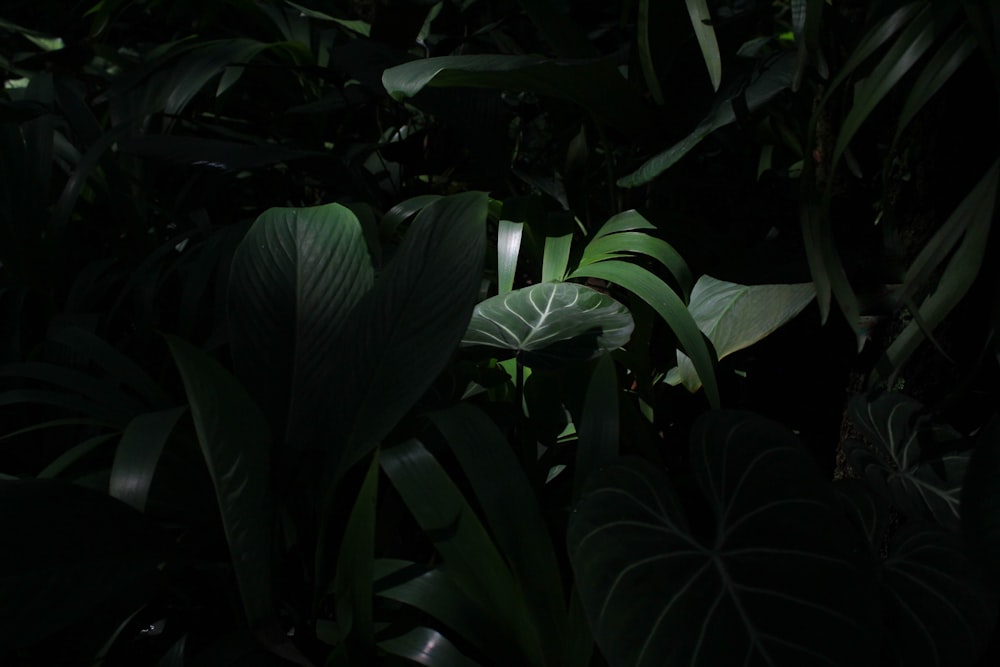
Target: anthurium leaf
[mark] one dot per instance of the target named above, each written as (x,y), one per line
(425,646)
(138,454)
(595,85)
(910,459)
(669,306)
(294,278)
(550,323)
(935,608)
(778,76)
(737,316)
(701,21)
(773,582)
(234,441)
(980,507)
(66,554)
(406,329)
(470,556)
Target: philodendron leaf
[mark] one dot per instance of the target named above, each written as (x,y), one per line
(771,582)
(593,84)
(912,460)
(294,278)
(549,324)
(737,316)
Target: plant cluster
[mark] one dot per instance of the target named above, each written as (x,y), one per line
(514,333)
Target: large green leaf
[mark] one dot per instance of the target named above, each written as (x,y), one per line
(550,323)
(595,85)
(234,440)
(771,582)
(68,554)
(933,606)
(737,316)
(910,459)
(295,277)
(405,330)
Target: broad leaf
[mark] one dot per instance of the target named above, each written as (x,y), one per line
(771,583)
(295,277)
(910,459)
(737,316)
(234,440)
(68,554)
(594,85)
(550,324)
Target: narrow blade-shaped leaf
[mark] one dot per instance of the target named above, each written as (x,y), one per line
(234,440)
(701,21)
(138,454)
(508,249)
(669,306)
(425,646)
(555,257)
(615,246)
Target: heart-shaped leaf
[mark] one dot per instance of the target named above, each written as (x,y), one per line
(550,324)
(737,316)
(772,582)
(912,460)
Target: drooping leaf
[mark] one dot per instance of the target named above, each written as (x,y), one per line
(66,554)
(736,316)
(294,279)
(777,76)
(550,323)
(772,582)
(704,31)
(916,463)
(234,441)
(471,558)
(595,85)
(644,44)
(425,646)
(669,306)
(138,454)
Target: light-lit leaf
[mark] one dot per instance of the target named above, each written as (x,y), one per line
(234,441)
(737,316)
(138,454)
(916,463)
(425,646)
(704,31)
(550,323)
(508,249)
(769,581)
(669,306)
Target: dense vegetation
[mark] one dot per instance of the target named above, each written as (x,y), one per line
(526,332)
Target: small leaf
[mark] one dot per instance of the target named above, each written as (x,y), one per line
(915,464)
(508,248)
(550,323)
(737,316)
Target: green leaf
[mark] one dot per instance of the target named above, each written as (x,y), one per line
(701,21)
(550,323)
(512,513)
(138,454)
(594,85)
(669,306)
(508,248)
(68,556)
(644,44)
(737,316)
(294,279)
(234,440)
(355,572)
(405,330)
(470,556)
(772,582)
(71,456)
(555,257)
(914,464)
(775,79)
(425,646)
